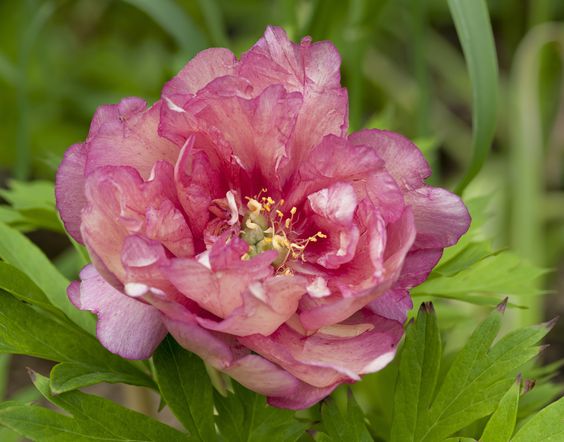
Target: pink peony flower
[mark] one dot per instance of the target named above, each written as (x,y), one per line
(237,214)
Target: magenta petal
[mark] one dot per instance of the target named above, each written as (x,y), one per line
(69,189)
(441,217)
(404,161)
(125,326)
(126,134)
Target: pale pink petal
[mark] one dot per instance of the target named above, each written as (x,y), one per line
(69,189)
(304,397)
(212,347)
(404,161)
(120,204)
(262,376)
(441,217)
(266,306)
(203,68)
(126,134)
(125,326)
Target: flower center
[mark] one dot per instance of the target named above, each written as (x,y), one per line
(266,227)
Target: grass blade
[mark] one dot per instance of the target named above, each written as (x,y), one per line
(474,30)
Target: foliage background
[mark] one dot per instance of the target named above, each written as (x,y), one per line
(404,69)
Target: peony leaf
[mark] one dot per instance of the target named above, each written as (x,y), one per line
(501,424)
(24,330)
(473,386)
(498,275)
(20,252)
(68,376)
(348,427)
(545,426)
(19,285)
(186,388)
(245,417)
(93,419)
(420,357)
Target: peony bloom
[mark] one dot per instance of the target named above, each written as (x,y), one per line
(237,214)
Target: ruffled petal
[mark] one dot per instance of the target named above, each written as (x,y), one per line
(126,134)
(125,326)
(323,359)
(69,189)
(120,204)
(266,306)
(441,217)
(203,68)
(404,161)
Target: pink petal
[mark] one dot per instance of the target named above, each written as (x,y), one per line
(69,189)
(200,70)
(219,291)
(198,183)
(127,134)
(399,239)
(120,204)
(404,161)
(323,359)
(125,326)
(212,347)
(262,376)
(266,306)
(274,59)
(441,217)
(333,209)
(303,397)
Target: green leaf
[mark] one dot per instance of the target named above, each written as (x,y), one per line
(21,253)
(475,382)
(18,284)
(245,417)
(40,424)
(418,374)
(186,388)
(466,257)
(172,18)
(545,426)
(24,330)
(93,419)
(474,30)
(502,274)
(501,424)
(68,376)
(343,428)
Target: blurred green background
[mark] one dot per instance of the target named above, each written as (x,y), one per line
(402,64)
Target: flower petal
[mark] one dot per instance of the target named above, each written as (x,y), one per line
(404,161)
(69,189)
(126,134)
(266,306)
(125,326)
(200,70)
(441,217)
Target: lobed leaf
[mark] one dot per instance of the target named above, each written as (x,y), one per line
(21,253)
(24,330)
(501,424)
(186,388)
(245,417)
(343,428)
(545,426)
